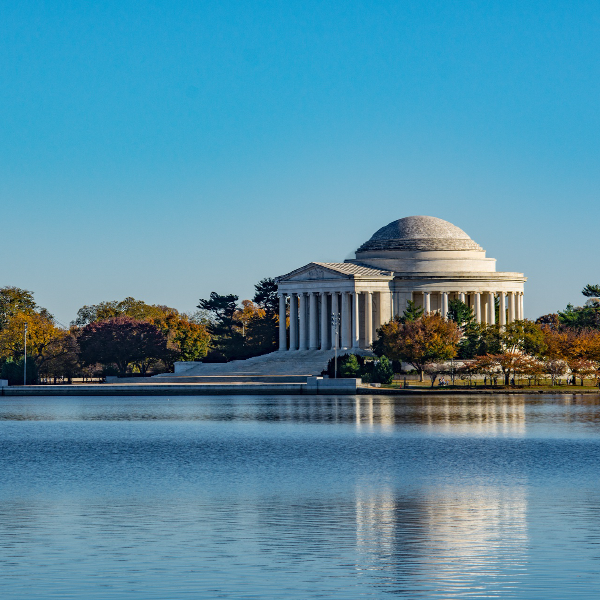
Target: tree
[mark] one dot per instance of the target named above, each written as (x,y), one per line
(523,336)
(511,363)
(591,291)
(460,313)
(382,371)
(129,307)
(225,329)
(550,320)
(263,328)
(582,367)
(124,342)
(61,358)
(41,332)
(463,316)
(186,339)
(486,365)
(412,312)
(555,368)
(13,371)
(14,300)
(349,367)
(265,295)
(580,317)
(428,339)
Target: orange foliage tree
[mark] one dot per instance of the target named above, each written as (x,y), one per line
(428,339)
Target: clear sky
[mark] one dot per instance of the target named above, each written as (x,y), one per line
(163,150)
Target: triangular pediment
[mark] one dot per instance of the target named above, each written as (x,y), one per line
(313,272)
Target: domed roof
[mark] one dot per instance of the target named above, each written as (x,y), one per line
(419,233)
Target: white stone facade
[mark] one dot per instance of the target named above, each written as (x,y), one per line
(424,259)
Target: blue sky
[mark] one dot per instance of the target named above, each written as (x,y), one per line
(164,150)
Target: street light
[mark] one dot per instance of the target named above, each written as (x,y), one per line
(335,323)
(25,358)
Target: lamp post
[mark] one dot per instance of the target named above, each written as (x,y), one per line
(25,357)
(335,322)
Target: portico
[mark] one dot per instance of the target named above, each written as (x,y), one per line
(423,259)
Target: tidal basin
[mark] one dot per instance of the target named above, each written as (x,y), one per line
(300,497)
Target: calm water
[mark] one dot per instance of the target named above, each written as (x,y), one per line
(300,497)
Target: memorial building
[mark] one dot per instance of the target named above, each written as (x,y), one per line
(424,259)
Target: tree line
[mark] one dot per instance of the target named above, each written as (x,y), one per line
(554,345)
(130,336)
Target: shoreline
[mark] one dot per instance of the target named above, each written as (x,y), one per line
(255,389)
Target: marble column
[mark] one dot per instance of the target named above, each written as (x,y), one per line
(282,324)
(335,342)
(502,309)
(426,302)
(313,315)
(445,305)
(325,319)
(303,338)
(355,321)
(521,305)
(511,307)
(477,306)
(462,297)
(491,308)
(346,320)
(368,319)
(293,321)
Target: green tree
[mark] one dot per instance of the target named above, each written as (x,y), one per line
(262,330)
(463,316)
(460,313)
(349,367)
(13,371)
(225,328)
(412,312)
(591,291)
(383,371)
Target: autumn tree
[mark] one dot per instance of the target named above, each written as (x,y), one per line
(124,342)
(431,338)
(41,332)
(14,300)
(129,307)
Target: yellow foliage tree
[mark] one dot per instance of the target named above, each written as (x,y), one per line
(41,333)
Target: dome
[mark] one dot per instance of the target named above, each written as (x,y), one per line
(419,233)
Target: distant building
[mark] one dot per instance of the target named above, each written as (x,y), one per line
(424,259)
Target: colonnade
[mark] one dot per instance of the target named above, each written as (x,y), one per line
(313,328)
(482,304)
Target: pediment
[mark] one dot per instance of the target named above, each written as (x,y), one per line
(313,273)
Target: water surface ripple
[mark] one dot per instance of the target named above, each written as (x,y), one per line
(300,497)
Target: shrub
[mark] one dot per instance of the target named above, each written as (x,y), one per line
(383,371)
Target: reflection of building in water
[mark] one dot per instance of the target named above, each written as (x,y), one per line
(487,415)
(375,410)
(456,535)
(484,415)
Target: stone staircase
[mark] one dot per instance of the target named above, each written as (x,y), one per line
(305,362)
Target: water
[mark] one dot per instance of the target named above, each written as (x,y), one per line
(300,497)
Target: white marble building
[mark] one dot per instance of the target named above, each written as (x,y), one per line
(424,259)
